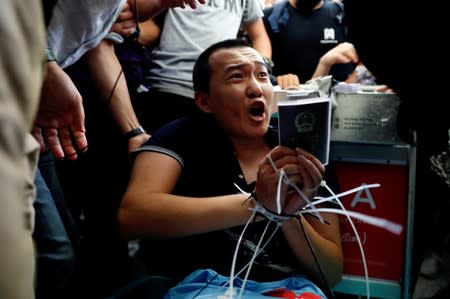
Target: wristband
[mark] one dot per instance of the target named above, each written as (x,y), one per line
(134,132)
(49,55)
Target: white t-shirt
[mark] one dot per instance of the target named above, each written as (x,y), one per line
(78,26)
(187,32)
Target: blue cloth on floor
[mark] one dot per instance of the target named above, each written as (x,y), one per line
(206,283)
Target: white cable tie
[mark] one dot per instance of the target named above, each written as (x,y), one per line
(355,231)
(259,208)
(252,260)
(230,289)
(280,179)
(309,203)
(363,186)
(376,221)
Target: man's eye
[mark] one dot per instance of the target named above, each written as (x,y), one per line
(263,74)
(236,76)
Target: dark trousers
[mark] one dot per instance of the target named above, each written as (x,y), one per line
(55,234)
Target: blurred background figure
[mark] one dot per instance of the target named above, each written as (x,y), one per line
(182,34)
(309,39)
(21,74)
(386,47)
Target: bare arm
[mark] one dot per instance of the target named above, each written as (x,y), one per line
(150,33)
(105,68)
(59,124)
(342,53)
(126,25)
(305,170)
(259,38)
(148,209)
(325,239)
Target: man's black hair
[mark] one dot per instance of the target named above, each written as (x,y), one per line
(202,70)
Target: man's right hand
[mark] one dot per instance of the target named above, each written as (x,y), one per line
(59,123)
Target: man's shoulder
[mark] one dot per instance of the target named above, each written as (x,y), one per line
(180,125)
(267,11)
(276,8)
(276,16)
(334,7)
(188,126)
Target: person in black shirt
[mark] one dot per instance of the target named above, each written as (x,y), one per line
(301,32)
(386,45)
(183,202)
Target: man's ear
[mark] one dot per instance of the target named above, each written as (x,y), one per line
(202,101)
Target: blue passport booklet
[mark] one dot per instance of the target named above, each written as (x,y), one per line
(306,123)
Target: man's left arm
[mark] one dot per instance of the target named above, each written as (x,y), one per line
(259,38)
(106,69)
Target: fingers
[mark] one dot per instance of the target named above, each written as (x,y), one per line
(191,3)
(78,130)
(342,53)
(311,158)
(288,81)
(299,166)
(126,13)
(125,24)
(311,176)
(62,142)
(272,164)
(67,144)
(281,158)
(183,3)
(349,52)
(137,141)
(52,141)
(303,170)
(80,140)
(126,28)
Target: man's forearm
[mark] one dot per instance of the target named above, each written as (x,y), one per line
(107,72)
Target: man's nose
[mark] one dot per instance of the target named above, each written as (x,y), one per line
(254,88)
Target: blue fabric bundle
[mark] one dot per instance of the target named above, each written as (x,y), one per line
(209,284)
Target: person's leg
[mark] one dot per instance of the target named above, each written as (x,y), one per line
(21,74)
(55,254)
(47,167)
(16,246)
(93,186)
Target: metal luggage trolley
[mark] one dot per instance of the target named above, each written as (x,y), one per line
(366,149)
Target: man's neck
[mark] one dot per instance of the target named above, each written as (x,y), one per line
(316,7)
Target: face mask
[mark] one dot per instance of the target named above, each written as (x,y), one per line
(306,6)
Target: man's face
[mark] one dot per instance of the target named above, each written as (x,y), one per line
(241,94)
(307,6)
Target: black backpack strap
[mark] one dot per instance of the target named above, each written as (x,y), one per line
(335,10)
(279,16)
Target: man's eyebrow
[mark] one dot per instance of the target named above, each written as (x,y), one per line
(260,62)
(237,66)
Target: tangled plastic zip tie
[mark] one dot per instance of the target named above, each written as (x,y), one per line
(283,178)
(309,208)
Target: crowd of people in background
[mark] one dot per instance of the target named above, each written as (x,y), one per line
(134,124)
